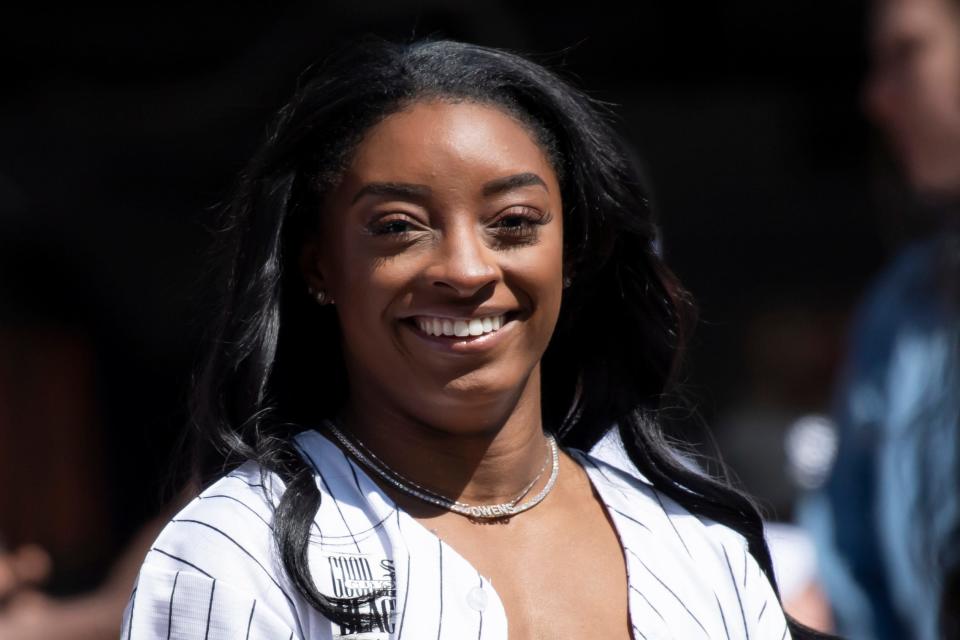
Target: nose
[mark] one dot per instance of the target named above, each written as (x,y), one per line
(464,263)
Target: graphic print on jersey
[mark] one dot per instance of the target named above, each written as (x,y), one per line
(353,575)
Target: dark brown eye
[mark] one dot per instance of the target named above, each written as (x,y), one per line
(514,222)
(391,227)
(521,223)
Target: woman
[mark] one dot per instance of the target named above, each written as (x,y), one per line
(441,292)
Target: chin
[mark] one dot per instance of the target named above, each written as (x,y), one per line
(490,386)
(937,189)
(933,176)
(482,385)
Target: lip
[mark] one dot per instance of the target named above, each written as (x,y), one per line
(438,312)
(464,344)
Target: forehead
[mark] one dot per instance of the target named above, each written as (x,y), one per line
(448,143)
(897,18)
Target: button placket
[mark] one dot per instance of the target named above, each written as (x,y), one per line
(477,599)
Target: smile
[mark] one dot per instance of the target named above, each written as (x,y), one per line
(462,335)
(459,327)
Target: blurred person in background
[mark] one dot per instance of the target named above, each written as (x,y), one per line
(887,521)
(28,612)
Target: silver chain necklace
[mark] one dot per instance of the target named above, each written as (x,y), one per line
(479,512)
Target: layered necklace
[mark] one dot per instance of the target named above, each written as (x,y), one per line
(475,511)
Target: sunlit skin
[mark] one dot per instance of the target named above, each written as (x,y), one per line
(477,225)
(913,91)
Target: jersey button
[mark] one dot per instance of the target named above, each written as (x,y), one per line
(477,599)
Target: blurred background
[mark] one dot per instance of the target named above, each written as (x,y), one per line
(121,129)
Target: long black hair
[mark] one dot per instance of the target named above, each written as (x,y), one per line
(623,324)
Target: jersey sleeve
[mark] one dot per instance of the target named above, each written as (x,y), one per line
(184,604)
(213,572)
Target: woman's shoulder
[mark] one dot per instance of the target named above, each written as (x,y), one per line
(215,563)
(701,569)
(612,467)
(237,507)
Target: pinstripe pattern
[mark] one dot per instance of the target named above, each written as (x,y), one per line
(406,587)
(181,560)
(649,604)
(440,587)
(672,593)
(726,629)
(213,588)
(214,564)
(250,620)
(480,625)
(736,589)
(173,590)
(672,523)
(129,612)
(336,503)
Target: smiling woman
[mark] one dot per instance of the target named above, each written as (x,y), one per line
(444,216)
(441,308)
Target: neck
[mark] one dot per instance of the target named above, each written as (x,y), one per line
(479,456)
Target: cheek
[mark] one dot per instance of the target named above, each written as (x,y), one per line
(367,287)
(541,273)
(936,80)
(367,337)
(372,295)
(369,273)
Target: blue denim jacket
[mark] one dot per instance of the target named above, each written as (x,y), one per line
(885,522)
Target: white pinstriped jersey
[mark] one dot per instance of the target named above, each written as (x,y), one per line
(213,572)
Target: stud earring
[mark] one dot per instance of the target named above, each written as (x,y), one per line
(567,281)
(320,296)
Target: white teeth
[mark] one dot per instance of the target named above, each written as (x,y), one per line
(460,328)
(476,327)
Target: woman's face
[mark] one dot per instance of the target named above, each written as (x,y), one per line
(448,219)
(913,91)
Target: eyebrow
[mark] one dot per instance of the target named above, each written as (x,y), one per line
(409,191)
(403,190)
(513,182)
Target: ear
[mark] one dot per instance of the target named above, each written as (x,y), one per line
(311,263)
